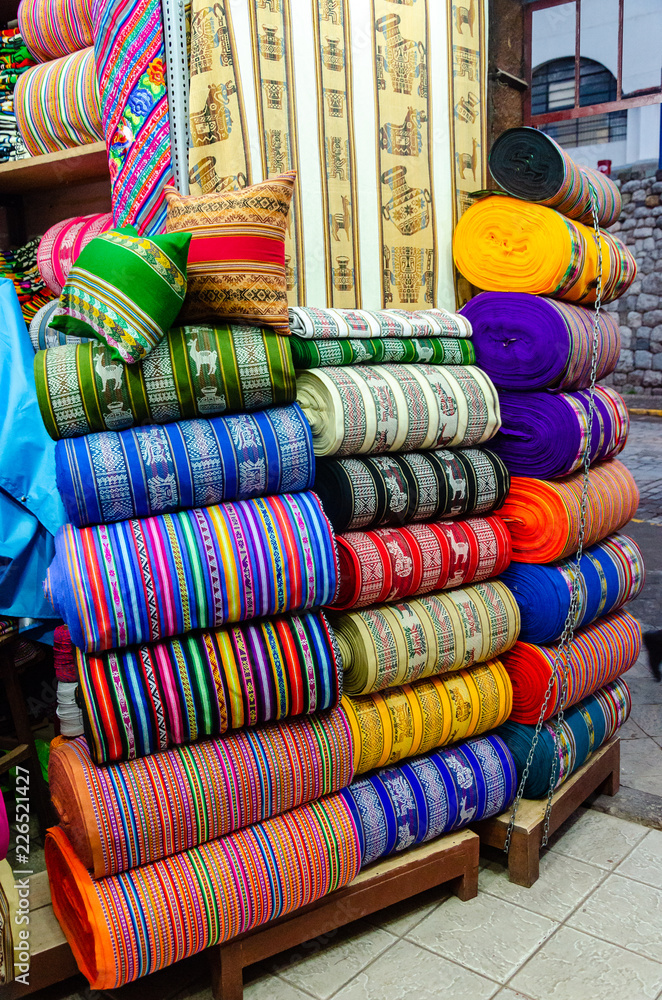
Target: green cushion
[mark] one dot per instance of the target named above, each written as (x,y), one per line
(126,290)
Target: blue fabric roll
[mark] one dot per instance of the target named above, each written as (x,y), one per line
(158,469)
(612,573)
(416,801)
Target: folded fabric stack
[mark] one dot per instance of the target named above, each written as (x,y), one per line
(20,266)
(15,59)
(539,354)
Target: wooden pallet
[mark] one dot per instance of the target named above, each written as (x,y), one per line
(601,773)
(452,859)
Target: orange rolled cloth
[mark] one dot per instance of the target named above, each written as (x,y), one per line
(503,244)
(544,517)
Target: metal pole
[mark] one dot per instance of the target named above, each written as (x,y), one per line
(177,69)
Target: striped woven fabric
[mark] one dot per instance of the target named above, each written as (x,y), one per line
(57,104)
(410,803)
(545,434)
(195,371)
(394,644)
(406,721)
(391,563)
(203,896)
(142,700)
(143,580)
(54,28)
(378,408)
(525,341)
(600,653)
(312,323)
(531,165)
(130,63)
(62,243)
(381,490)
(585,727)
(155,470)
(611,574)
(130,814)
(43,335)
(544,518)
(380,350)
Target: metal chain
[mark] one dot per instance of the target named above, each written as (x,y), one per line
(562,656)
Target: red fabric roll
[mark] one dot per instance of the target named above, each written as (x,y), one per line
(62,243)
(64,658)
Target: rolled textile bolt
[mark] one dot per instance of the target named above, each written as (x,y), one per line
(68,712)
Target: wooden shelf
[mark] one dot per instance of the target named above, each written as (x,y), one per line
(69,166)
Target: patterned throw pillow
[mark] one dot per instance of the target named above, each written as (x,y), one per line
(126,290)
(237,258)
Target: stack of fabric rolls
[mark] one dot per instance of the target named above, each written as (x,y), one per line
(20,266)
(15,59)
(190,578)
(538,351)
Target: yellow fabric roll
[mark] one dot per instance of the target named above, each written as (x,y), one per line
(391,725)
(507,245)
(400,643)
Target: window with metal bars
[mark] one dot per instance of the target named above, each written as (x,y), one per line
(553,89)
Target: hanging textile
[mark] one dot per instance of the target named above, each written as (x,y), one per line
(600,653)
(411,803)
(395,644)
(61,244)
(130,63)
(555,256)
(193,463)
(611,574)
(379,408)
(384,490)
(143,580)
(57,104)
(4,830)
(544,434)
(531,165)
(189,795)
(406,721)
(196,371)
(391,563)
(141,700)
(544,518)
(312,323)
(54,28)
(585,727)
(222,888)
(429,350)
(526,342)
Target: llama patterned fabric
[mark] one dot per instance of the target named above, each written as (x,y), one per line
(126,290)
(197,371)
(377,350)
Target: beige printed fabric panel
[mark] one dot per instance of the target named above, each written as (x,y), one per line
(359,96)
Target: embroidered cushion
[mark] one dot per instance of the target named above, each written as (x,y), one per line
(126,290)
(237,257)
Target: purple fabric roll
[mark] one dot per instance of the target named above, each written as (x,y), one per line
(527,341)
(543,434)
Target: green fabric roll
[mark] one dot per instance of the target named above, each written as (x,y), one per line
(378,350)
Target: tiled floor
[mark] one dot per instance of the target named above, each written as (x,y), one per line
(590,929)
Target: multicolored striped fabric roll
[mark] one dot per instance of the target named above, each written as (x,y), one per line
(378,408)
(193,463)
(544,518)
(143,700)
(525,341)
(196,371)
(381,490)
(414,802)
(61,244)
(555,256)
(600,653)
(531,165)
(201,897)
(402,722)
(54,28)
(131,814)
(57,104)
(585,727)
(545,434)
(312,323)
(395,644)
(391,563)
(611,574)
(144,580)
(381,350)
(130,63)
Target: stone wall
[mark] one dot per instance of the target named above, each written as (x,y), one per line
(640,309)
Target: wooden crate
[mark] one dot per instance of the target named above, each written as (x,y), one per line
(600,773)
